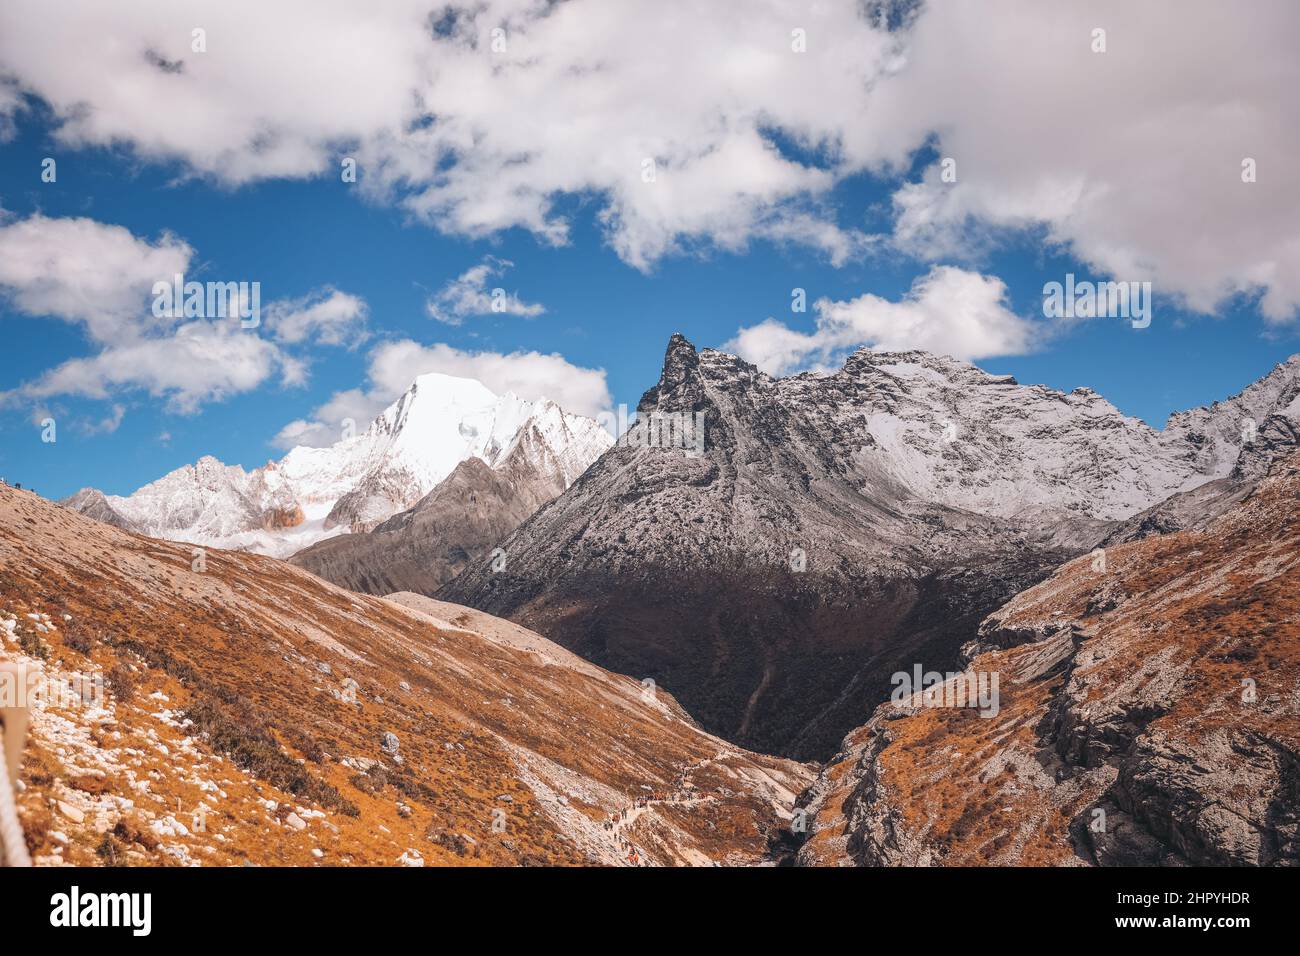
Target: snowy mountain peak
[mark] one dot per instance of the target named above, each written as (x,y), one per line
(434,398)
(361,480)
(924,427)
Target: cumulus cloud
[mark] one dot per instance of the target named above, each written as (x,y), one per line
(668,112)
(476,134)
(101,277)
(393,366)
(468,295)
(949,311)
(201,362)
(326,317)
(1136,173)
(275,88)
(86,272)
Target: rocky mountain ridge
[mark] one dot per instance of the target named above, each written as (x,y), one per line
(838,527)
(457,523)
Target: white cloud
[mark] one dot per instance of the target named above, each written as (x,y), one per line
(949,311)
(588,93)
(278,86)
(326,317)
(107,425)
(353,406)
(468,295)
(10,104)
(101,277)
(1132,157)
(470,139)
(530,375)
(86,272)
(201,362)
(395,365)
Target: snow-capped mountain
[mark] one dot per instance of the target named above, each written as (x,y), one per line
(839,527)
(314,493)
(470,511)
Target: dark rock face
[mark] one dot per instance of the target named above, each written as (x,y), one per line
(457,523)
(289,517)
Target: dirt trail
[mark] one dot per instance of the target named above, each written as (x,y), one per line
(683,794)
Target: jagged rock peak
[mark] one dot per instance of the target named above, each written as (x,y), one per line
(681,364)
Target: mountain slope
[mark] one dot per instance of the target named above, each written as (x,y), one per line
(1149,714)
(314,726)
(423,548)
(917,494)
(353,485)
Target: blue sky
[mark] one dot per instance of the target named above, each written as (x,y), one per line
(604,308)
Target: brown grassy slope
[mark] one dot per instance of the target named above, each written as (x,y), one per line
(230,690)
(1127,691)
